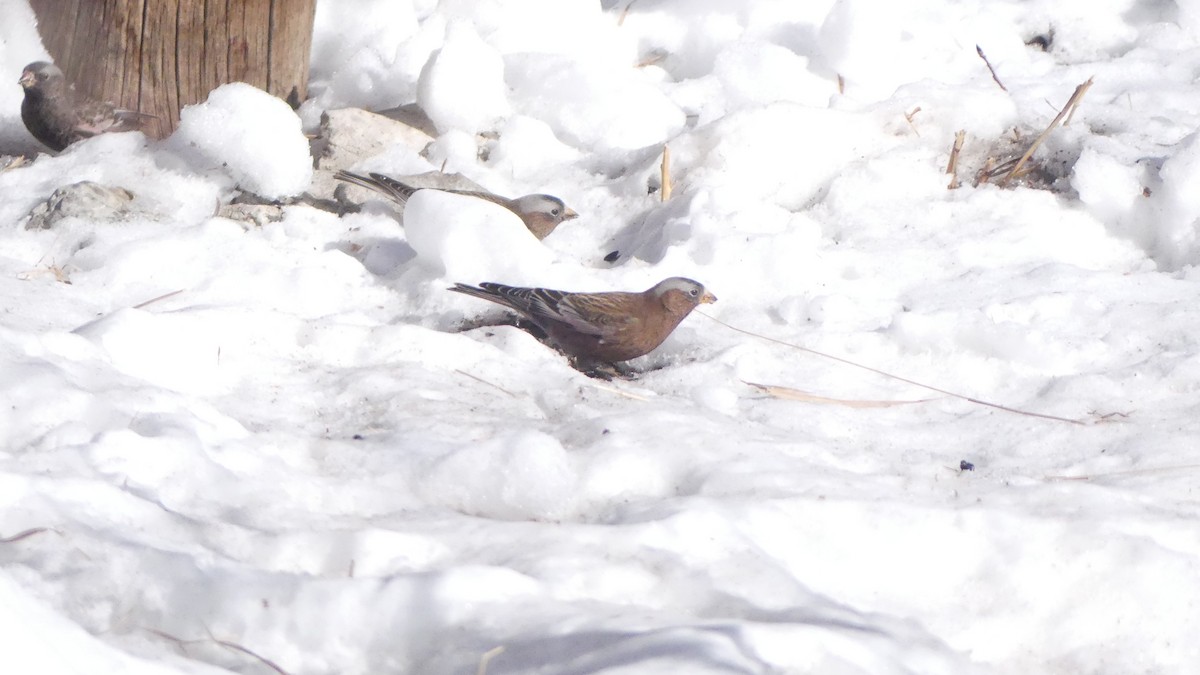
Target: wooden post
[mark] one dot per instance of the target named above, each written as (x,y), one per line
(156,56)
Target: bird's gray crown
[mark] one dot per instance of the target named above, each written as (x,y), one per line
(550,205)
(43,67)
(688,286)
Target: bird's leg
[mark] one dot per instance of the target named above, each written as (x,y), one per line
(603,370)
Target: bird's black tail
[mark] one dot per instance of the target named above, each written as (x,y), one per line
(384,185)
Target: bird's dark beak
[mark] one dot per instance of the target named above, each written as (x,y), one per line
(569,213)
(27,79)
(707,298)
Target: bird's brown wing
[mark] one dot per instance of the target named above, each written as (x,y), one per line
(604,315)
(97,117)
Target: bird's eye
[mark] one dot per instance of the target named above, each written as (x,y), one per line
(554,212)
(694,292)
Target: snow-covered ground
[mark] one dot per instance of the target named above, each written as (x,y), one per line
(228,444)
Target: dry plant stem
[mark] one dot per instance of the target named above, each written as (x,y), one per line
(884,373)
(841,84)
(262,659)
(909,116)
(666,173)
(1066,111)
(179,642)
(487,658)
(790,394)
(952,166)
(1075,98)
(979,51)
(985,174)
(654,57)
(624,13)
(164,296)
(1123,474)
(223,643)
(618,392)
(483,381)
(23,535)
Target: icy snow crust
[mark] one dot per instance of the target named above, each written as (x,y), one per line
(273,436)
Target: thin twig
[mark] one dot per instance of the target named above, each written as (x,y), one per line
(483,381)
(979,51)
(23,535)
(17,161)
(952,166)
(1067,110)
(261,659)
(964,397)
(666,173)
(790,394)
(986,172)
(1074,103)
(487,658)
(654,57)
(909,116)
(1121,474)
(223,643)
(177,640)
(164,296)
(621,18)
(618,392)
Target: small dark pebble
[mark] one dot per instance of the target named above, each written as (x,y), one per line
(612,257)
(964,465)
(357,437)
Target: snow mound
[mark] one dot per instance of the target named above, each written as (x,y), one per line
(252,136)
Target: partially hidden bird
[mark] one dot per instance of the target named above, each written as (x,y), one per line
(540,213)
(58,116)
(606,327)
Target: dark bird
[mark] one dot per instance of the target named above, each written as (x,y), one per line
(57,116)
(540,213)
(606,327)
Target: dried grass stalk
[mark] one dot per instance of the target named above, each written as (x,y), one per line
(910,116)
(960,137)
(790,394)
(483,381)
(979,51)
(666,173)
(884,373)
(23,535)
(624,13)
(1065,113)
(487,658)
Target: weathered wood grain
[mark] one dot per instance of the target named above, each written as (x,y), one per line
(158,56)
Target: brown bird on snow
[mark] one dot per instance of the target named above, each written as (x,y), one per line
(607,327)
(540,213)
(57,116)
